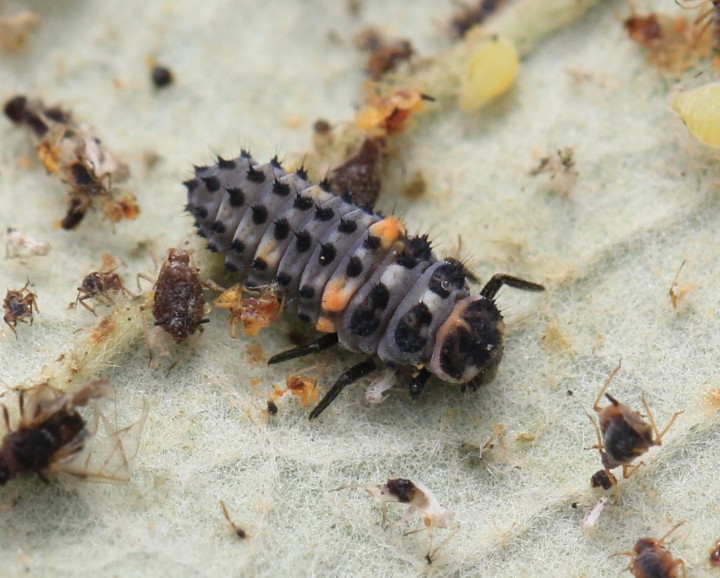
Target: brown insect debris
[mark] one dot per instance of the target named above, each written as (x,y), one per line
(650,558)
(715,555)
(239,532)
(178,301)
(99,285)
(420,499)
(561,168)
(15,30)
(623,434)
(708,18)
(302,386)
(679,291)
(18,244)
(359,176)
(466,16)
(384,54)
(19,305)
(254,310)
(604,479)
(388,112)
(51,437)
(72,152)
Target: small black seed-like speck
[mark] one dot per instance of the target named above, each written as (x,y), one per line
(161,76)
(237,197)
(323,214)
(259,214)
(226,164)
(281,189)
(281,230)
(354,267)
(304,241)
(218,227)
(327,254)
(237,245)
(255,176)
(303,203)
(372,243)
(347,226)
(306,292)
(259,264)
(212,184)
(283,279)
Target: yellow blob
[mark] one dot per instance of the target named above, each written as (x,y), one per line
(699,109)
(491,71)
(325,325)
(388,230)
(335,298)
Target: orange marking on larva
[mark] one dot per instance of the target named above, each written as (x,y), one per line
(324,325)
(388,230)
(336,296)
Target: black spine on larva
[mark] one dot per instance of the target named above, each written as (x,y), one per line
(344,268)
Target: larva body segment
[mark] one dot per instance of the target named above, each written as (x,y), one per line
(354,274)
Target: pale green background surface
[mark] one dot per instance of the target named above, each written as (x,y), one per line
(646,199)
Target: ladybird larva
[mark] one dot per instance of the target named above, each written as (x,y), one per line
(354,274)
(699,109)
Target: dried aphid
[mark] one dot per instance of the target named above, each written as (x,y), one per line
(623,434)
(100,285)
(302,386)
(51,436)
(72,152)
(714,556)
(466,16)
(18,244)
(253,309)
(679,291)
(178,301)
(561,168)
(420,499)
(604,479)
(19,305)
(707,19)
(161,76)
(384,54)
(15,30)
(388,113)
(239,532)
(650,558)
(591,519)
(359,176)
(355,275)
(375,392)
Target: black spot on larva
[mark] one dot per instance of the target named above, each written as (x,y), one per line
(281,189)
(411,332)
(259,264)
(191,185)
(372,243)
(218,227)
(200,212)
(212,247)
(364,322)
(237,246)
(237,197)
(325,185)
(347,226)
(306,292)
(255,176)
(275,163)
(354,267)
(226,164)
(323,214)
(380,296)
(450,275)
(327,254)
(281,229)
(302,173)
(244,153)
(200,232)
(304,317)
(283,279)
(303,241)
(211,183)
(230,267)
(200,169)
(417,250)
(303,203)
(259,214)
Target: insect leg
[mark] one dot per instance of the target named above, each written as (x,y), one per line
(351,375)
(497,281)
(324,342)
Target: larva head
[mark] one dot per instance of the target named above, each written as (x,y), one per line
(470,343)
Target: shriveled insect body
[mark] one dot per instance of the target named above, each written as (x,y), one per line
(99,285)
(354,274)
(19,305)
(179,302)
(50,430)
(650,558)
(623,433)
(254,312)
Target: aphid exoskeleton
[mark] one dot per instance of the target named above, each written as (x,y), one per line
(419,499)
(18,244)
(357,276)
(623,434)
(51,437)
(650,558)
(100,285)
(561,168)
(253,309)
(375,392)
(18,305)
(679,291)
(384,54)
(590,522)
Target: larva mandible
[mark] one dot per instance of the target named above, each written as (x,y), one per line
(354,274)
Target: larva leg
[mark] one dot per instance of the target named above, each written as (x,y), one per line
(497,281)
(351,375)
(324,342)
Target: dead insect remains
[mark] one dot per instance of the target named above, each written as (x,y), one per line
(650,558)
(100,285)
(19,305)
